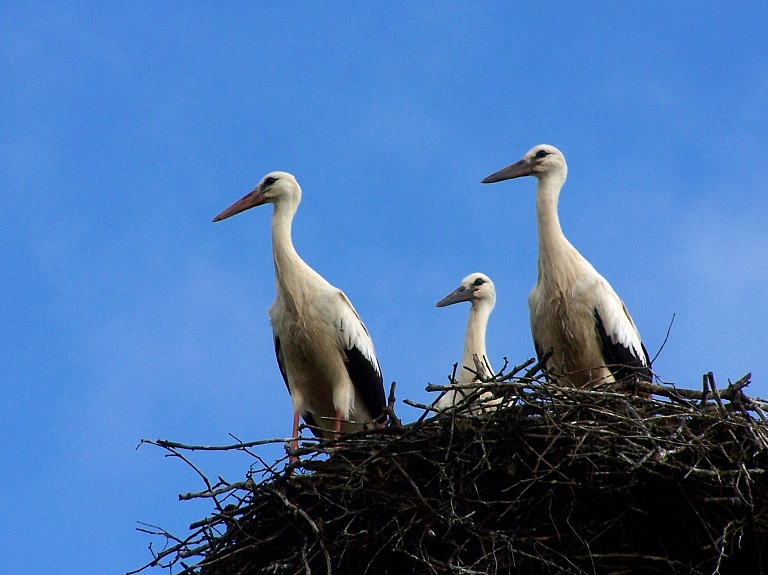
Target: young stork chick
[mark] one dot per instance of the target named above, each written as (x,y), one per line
(324,352)
(478,289)
(574,310)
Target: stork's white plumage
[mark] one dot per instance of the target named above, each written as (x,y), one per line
(478,289)
(574,310)
(324,352)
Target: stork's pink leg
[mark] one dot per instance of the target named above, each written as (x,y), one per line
(295,434)
(337,424)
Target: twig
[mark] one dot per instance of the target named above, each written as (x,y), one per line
(666,337)
(174,445)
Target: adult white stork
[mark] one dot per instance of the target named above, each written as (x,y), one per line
(478,289)
(574,310)
(324,352)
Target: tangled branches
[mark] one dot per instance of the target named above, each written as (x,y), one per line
(540,479)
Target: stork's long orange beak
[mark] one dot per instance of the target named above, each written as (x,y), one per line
(251,200)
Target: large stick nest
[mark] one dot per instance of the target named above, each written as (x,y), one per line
(539,478)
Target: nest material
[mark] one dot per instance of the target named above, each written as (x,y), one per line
(547,479)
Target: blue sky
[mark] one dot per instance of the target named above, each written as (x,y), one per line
(125,313)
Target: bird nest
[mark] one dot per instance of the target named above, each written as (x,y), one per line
(540,478)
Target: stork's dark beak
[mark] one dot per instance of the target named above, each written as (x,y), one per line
(457,295)
(255,198)
(523,167)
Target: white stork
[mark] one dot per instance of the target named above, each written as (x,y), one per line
(478,289)
(574,310)
(324,352)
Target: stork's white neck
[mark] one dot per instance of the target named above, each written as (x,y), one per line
(555,251)
(474,340)
(290,269)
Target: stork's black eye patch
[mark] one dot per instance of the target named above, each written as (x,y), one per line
(542,154)
(478,282)
(269,181)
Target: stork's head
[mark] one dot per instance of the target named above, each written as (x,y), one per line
(542,161)
(475,288)
(274,188)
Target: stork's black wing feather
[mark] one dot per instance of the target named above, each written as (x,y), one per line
(621,360)
(281,362)
(366,377)
(359,356)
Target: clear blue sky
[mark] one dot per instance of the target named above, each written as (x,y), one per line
(123,130)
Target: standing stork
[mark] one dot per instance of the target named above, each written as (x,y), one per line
(324,352)
(478,289)
(574,310)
